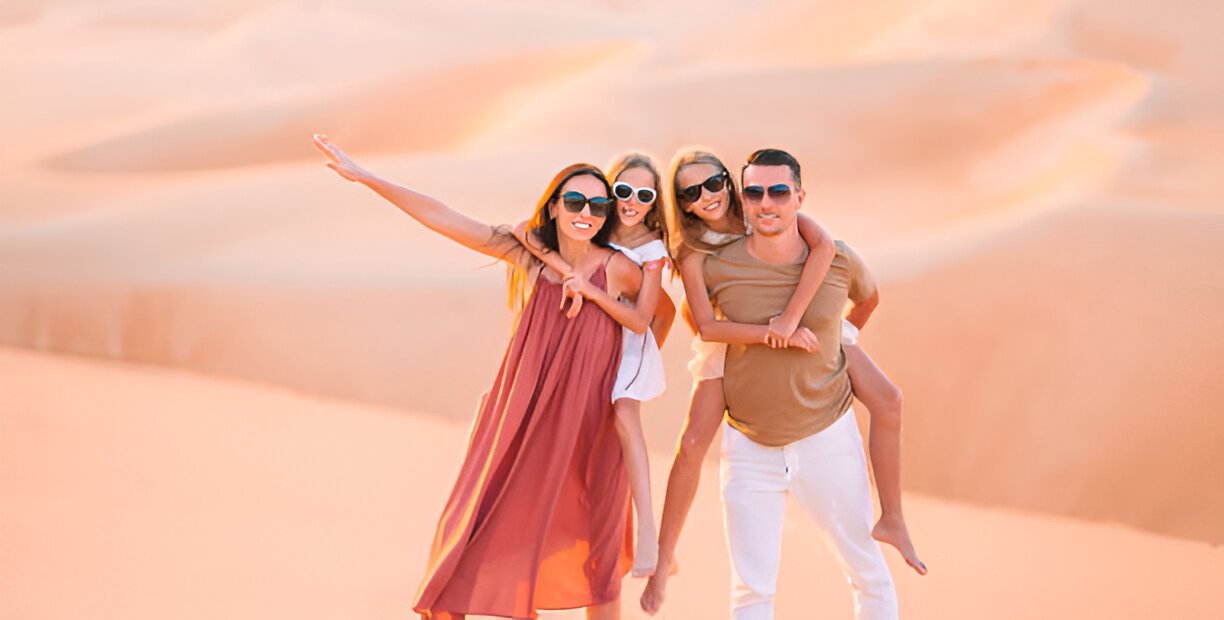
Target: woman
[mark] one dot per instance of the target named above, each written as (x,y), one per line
(640,232)
(537,517)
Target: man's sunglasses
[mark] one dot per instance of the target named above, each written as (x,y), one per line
(623,191)
(575,201)
(755,193)
(714,184)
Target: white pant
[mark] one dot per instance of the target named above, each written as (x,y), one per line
(827,473)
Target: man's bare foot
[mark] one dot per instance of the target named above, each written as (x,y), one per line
(892,531)
(656,586)
(645,555)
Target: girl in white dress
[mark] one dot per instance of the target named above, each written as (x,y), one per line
(640,233)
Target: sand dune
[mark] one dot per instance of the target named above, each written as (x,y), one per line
(1036,187)
(418,112)
(1111,401)
(148,493)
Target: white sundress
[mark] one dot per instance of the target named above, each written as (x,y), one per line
(640,375)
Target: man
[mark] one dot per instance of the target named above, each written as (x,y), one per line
(790,429)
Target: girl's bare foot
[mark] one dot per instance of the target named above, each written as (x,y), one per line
(645,555)
(892,531)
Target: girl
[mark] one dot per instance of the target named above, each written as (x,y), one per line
(537,518)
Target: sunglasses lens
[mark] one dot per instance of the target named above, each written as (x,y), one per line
(599,206)
(779,191)
(716,183)
(573,201)
(690,194)
(754,192)
(646,195)
(622,191)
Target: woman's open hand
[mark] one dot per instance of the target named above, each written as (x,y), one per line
(341,163)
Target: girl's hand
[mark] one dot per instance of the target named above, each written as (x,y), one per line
(806,340)
(341,163)
(654,265)
(574,288)
(781,328)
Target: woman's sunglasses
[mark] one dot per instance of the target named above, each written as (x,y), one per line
(714,184)
(624,191)
(574,202)
(755,193)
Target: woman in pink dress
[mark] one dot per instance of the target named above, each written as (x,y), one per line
(538,516)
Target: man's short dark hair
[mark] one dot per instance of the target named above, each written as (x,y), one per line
(773,157)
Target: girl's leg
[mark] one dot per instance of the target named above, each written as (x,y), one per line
(705,414)
(883,402)
(607,611)
(637,465)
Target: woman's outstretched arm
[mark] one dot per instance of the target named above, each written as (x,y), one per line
(435,215)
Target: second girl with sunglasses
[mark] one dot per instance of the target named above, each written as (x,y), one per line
(639,231)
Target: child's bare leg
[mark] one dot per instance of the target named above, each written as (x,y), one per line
(607,611)
(705,414)
(637,466)
(883,402)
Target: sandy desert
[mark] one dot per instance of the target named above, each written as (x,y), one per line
(233,385)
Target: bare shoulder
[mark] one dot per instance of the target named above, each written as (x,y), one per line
(621,266)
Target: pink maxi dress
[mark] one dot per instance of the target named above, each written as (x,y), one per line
(539,517)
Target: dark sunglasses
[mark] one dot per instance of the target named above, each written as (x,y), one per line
(755,193)
(623,191)
(574,202)
(714,184)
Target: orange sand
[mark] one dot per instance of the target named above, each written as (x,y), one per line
(138,492)
(1036,186)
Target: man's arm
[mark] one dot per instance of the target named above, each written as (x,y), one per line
(863,291)
(861,311)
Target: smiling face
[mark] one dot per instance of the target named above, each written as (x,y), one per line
(581,226)
(631,211)
(710,206)
(773,212)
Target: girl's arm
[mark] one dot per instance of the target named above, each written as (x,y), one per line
(551,259)
(433,214)
(532,242)
(712,329)
(821,251)
(644,285)
(686,313)
(664,316)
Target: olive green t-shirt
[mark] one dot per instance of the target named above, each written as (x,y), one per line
(778,396)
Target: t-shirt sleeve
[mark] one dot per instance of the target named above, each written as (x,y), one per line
(862,284)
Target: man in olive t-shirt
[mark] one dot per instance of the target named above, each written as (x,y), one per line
(790,428)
